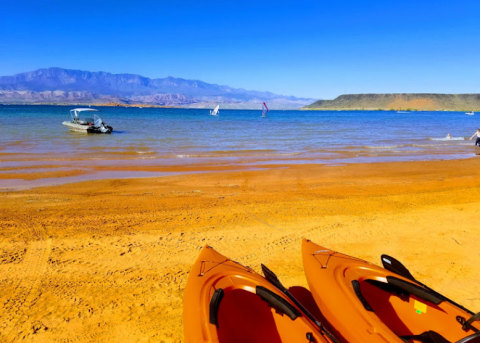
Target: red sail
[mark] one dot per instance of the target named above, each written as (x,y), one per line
(264,109)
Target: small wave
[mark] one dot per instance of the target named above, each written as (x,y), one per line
(380,147)
(132,147)
(128,150)
(425,145)
(448,139)
(17,143)
(241,151)
(191,155)
(127,153)
(285,154)
(232,154)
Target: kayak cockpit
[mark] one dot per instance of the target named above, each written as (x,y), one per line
(243,316)
(411,311)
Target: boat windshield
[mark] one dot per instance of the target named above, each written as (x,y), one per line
(84,116)
(84,120)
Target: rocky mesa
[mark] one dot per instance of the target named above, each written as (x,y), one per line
(400,101)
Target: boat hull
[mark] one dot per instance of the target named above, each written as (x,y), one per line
(85,128)
(226,302)
(366,303)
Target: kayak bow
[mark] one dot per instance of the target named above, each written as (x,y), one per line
(229,303)
(366,303)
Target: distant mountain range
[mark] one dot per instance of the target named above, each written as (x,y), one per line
(57,85)
(401,101)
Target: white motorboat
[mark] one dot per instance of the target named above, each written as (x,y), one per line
(470,113)
(82,121)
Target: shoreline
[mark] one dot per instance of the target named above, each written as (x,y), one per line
(404,110)
(189,107)
(30,173)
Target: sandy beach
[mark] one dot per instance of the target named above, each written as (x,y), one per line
(145,133)
(107,260)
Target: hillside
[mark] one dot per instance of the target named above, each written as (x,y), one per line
(405,101)
(57,85)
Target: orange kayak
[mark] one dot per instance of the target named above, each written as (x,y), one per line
(227,302)
(365,303)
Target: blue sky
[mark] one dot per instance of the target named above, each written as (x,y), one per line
(317,49)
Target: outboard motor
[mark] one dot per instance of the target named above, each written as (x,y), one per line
(100,125)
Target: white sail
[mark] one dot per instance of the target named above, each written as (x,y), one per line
(215,111)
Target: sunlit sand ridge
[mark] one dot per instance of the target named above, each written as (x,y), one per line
(107,261)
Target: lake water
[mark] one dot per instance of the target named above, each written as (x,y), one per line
(171,133)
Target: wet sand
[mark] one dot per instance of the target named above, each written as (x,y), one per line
(107,260)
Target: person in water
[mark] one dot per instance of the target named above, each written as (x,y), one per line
(477,142)
(448,136)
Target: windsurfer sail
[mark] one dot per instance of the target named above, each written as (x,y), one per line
(214,112)
(264,109)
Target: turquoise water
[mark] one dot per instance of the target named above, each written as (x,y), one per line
(185,136)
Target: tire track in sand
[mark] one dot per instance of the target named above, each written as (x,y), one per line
(289,237)
(27,291)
